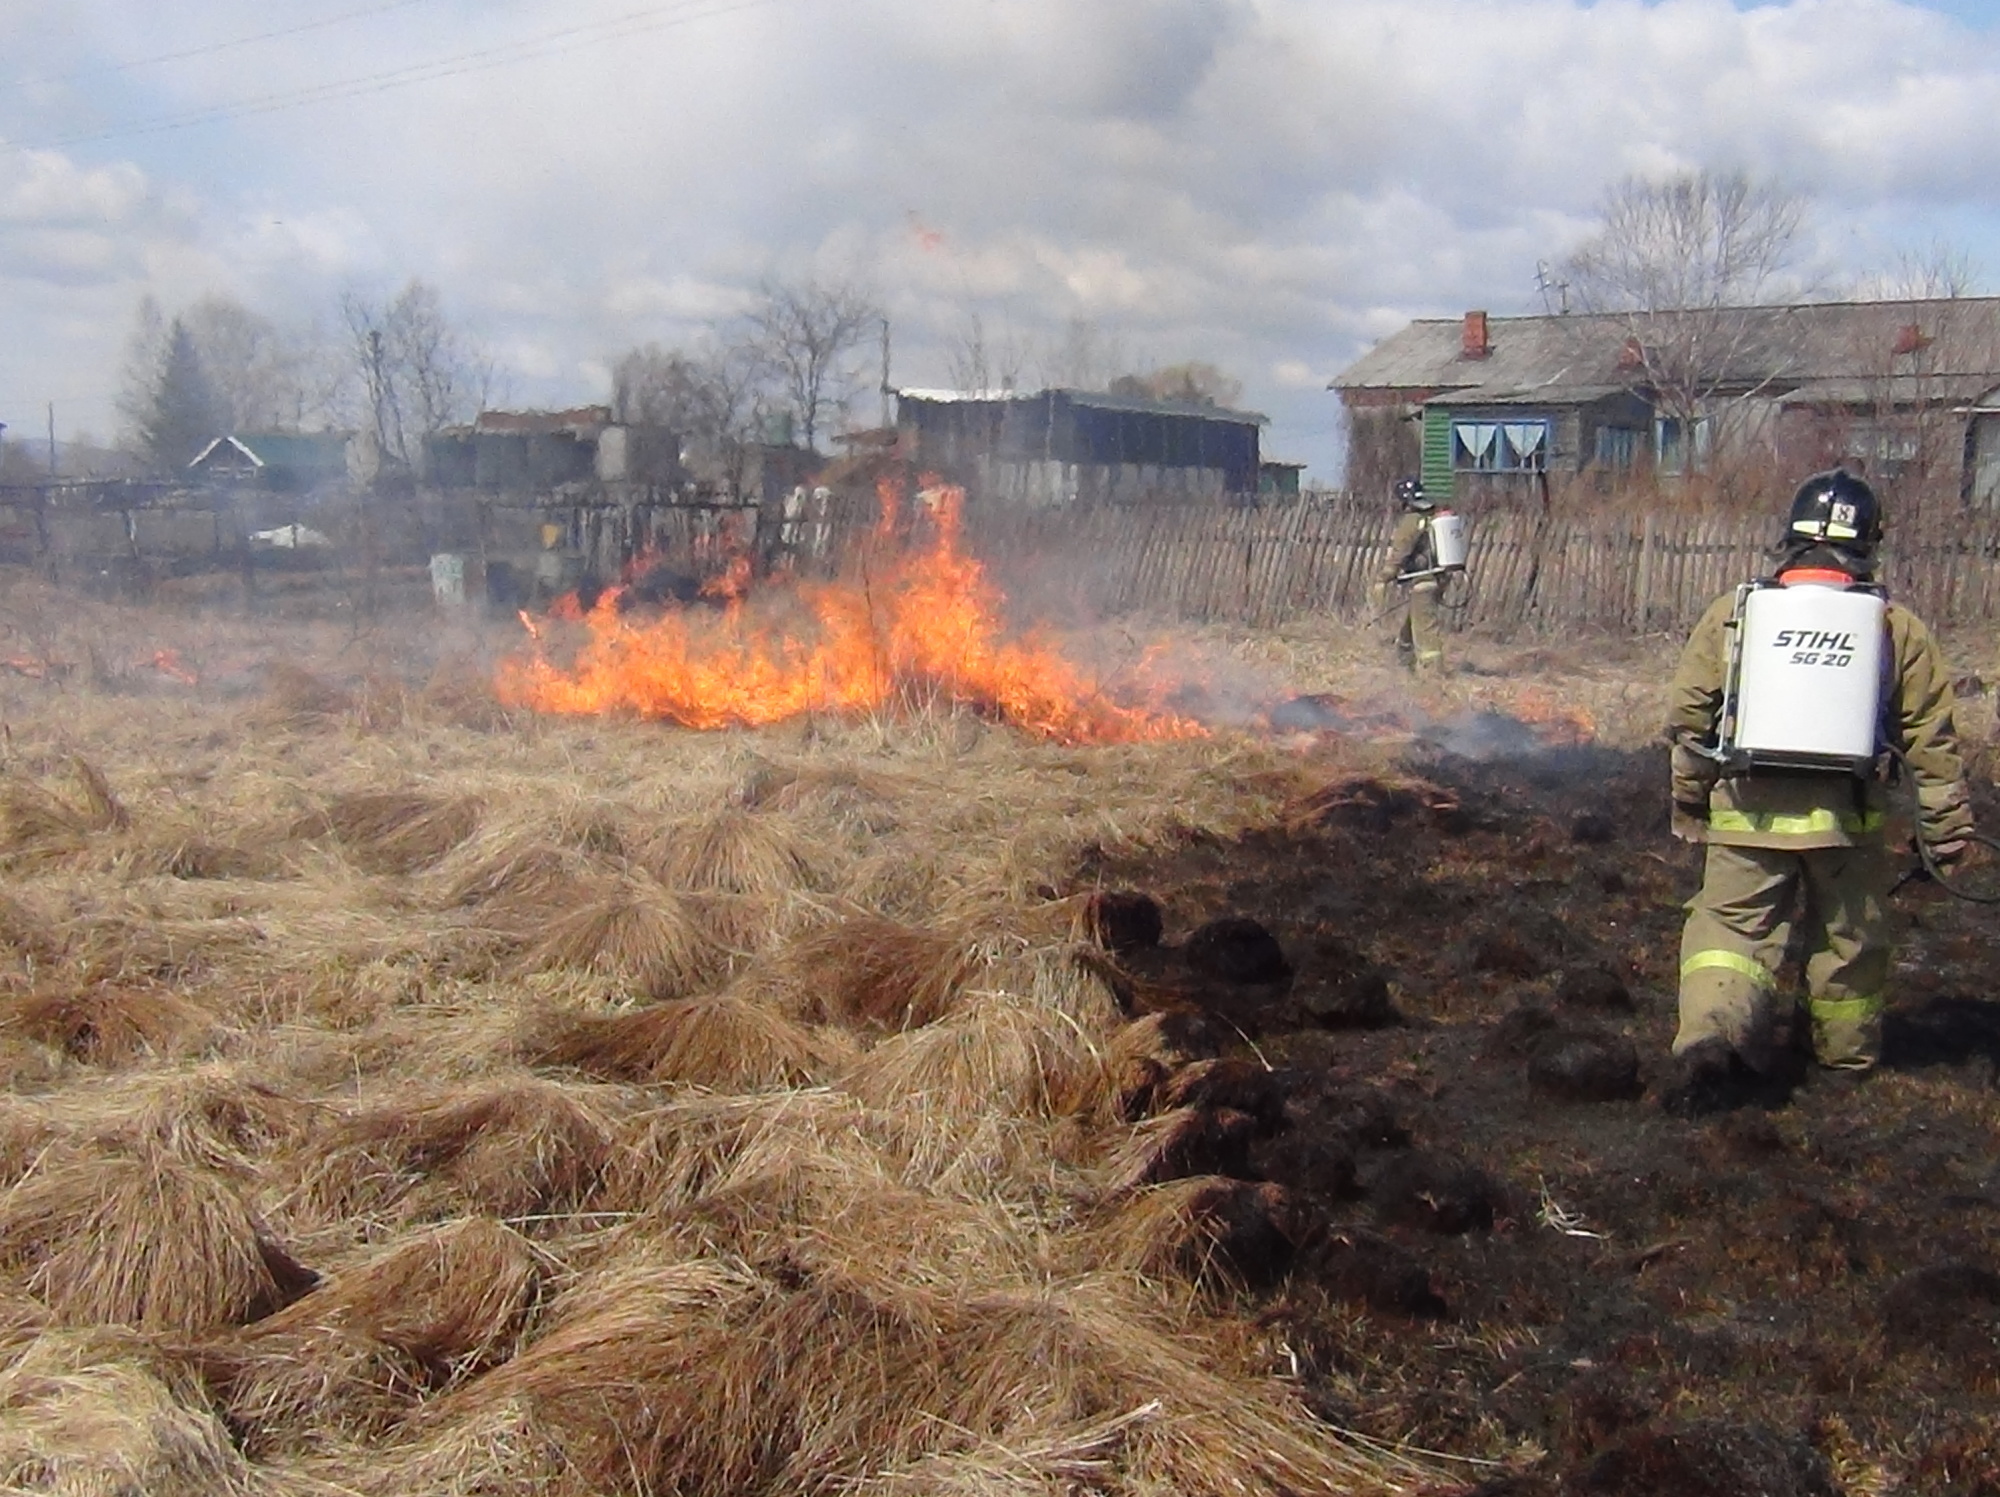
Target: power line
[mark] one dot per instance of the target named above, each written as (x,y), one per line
(549,44)
(223,46)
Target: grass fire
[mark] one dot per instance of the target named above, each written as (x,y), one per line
(929,625)
(438,1067)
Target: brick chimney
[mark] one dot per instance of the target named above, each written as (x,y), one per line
(1473,342)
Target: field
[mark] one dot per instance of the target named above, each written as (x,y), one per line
(412,1094)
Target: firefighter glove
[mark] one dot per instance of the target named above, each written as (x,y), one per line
(1694,775)
(1944,814)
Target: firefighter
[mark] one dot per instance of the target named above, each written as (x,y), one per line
(1412,566)
(1803,843)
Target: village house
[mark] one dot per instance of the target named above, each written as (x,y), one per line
(1058,447)
(1502,408)
(282,462)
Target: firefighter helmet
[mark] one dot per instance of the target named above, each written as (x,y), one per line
(1834,509)
(1410,494)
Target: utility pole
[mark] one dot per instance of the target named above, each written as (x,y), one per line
(52,439)
(885,374)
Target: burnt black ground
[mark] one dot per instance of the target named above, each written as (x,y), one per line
(1498,1258)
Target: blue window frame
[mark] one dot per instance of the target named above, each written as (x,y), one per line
(1483,446)
(1617,446)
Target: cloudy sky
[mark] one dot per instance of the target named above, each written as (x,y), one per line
(1269,185)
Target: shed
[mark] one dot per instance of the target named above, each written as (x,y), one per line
(1064,445)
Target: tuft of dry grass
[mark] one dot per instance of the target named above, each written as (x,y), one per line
(184,853)
(84,1414)
(694,1378)
(1217,1232)
(34,824)
(507,1146)
(393,831)
(219,1120)
(297,698)
(109,1023)
(530,876)
(106,1023)
(873,973)
(635,930)
(351,1357)
(995,1056)
(29,930)
(146,1241)
(718,1041)
(734,851)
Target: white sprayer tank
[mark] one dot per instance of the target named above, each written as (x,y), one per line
(1809,691)
(1448,541)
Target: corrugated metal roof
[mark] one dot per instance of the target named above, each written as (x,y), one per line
(1096,400)
(1557,356)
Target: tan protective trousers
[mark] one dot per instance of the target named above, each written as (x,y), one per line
(1421,639)
(1735,937)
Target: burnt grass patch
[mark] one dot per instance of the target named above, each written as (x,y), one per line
(1450,1055)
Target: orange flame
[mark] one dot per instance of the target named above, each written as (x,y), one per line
(169,663)
(932,623)
(1558,723)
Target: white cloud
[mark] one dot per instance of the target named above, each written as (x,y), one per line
(1269,184)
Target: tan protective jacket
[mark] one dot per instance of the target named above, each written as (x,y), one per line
(1804,809)
(1409,547)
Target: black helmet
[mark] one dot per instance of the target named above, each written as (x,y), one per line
(1410,494)
(1834,509)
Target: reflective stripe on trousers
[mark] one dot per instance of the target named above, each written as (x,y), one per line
(1796,823)
(1731,961)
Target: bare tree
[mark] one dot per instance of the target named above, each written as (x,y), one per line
(262,377)
(1193,383)
(711,398)
(801,334)
(1084,357)
(977,362)
(259,371)
(1916,358)
(1681,264)
(418,374)
(1940,272)
(145,353)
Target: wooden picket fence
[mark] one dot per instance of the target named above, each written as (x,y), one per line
(1263,566)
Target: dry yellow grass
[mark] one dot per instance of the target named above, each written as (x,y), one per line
(718,1041)
(619,1081)
(148,1241)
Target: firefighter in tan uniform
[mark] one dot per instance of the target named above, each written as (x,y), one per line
(1803,843)
(1411,566)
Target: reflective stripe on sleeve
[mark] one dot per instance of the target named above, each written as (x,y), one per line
(1797,824)
(1730,961)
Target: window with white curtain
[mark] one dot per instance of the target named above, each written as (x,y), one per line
(1480,446)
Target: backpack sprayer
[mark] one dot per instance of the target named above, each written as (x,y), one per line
(1806,688)
(1445,531)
